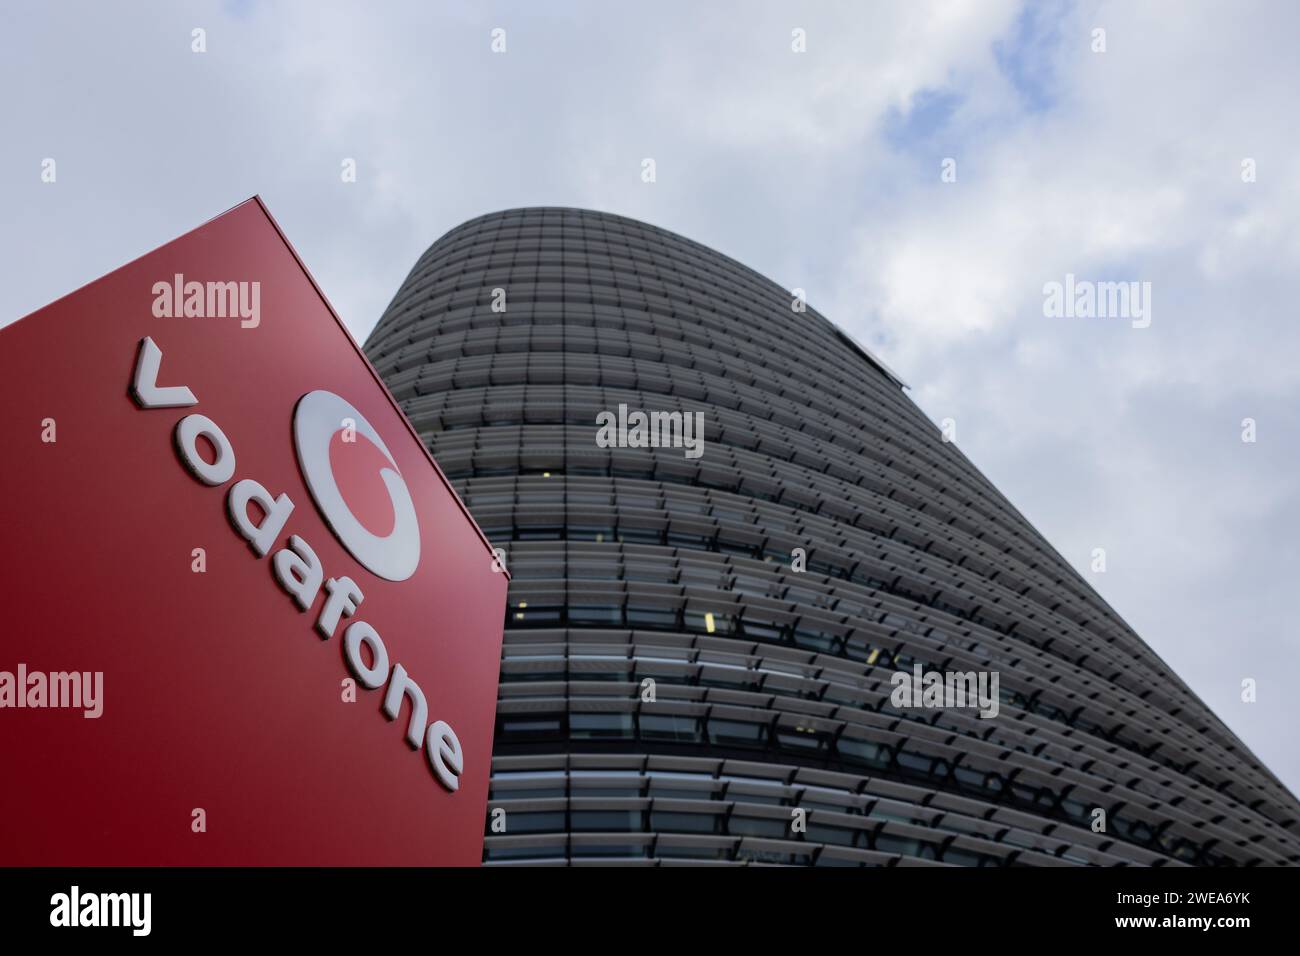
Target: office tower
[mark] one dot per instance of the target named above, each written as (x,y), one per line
(701,650)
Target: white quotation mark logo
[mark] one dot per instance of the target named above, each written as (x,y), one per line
(318,422)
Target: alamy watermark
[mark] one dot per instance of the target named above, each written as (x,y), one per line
(936,689)
(638,429)
(130,910)
(76,690)
(1085,299)
(208,300)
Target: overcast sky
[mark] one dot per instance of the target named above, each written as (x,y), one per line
(819,169)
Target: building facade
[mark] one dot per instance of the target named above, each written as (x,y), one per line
(701,643)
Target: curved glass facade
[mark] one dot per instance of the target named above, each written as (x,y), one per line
(699,650)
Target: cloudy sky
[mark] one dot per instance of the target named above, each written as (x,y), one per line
(820,169)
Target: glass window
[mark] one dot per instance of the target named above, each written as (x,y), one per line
(816,640)
(962,857)
(740,825)
(802,739)
(607,820)
(552,532)
(842,836)
(632,535)
(914,762)
(550,821)
(786,857)
(600,725)
(667,821)
(519,727)
(589,615)
(736,733)
(670,727)
(663,619)
(531,614)
(693,851)
(617,850)
(496,851)
(538,792)
(862,752)
(906,846)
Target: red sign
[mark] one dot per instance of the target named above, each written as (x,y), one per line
(247,620)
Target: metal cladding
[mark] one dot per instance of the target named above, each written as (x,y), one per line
(701,650)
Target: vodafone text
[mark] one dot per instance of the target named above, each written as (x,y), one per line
(297,568)
(102,909)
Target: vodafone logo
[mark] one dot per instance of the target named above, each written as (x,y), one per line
(343,461)
(332,439)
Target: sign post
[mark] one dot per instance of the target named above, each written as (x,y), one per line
(248,621)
